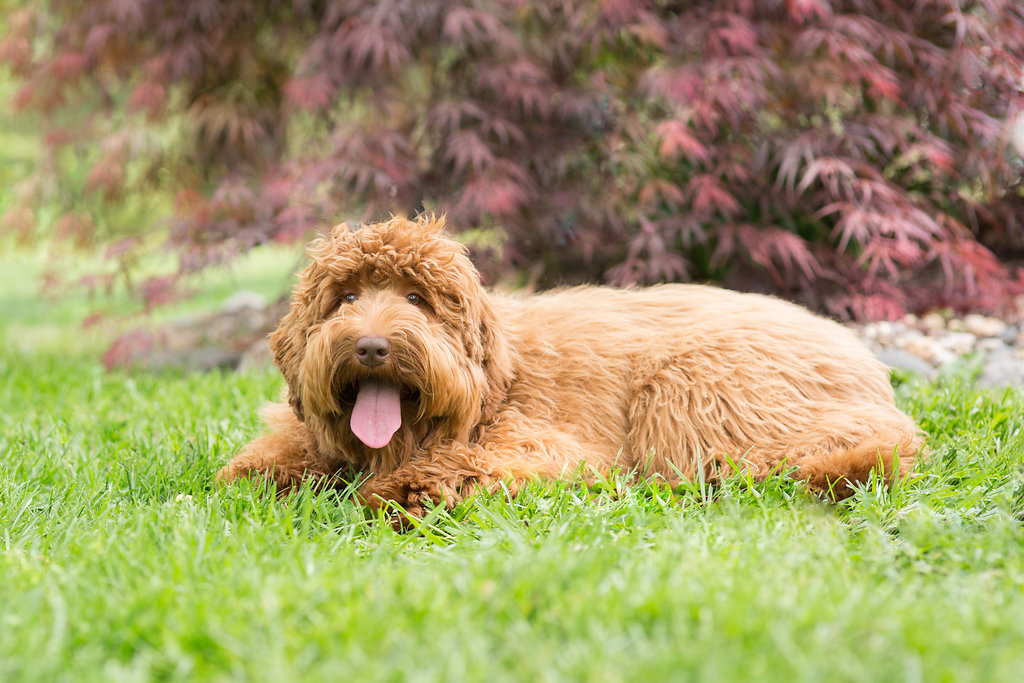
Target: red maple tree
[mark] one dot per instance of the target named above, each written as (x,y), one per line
(855,154)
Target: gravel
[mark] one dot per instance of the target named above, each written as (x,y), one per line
(929,344)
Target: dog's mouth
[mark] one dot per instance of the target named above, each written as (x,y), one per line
(376,409)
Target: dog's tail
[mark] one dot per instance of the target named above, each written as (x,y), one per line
(889,446)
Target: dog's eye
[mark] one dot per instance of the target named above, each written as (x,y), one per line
(414,299)
(350,298)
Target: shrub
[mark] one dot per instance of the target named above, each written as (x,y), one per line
(855,154)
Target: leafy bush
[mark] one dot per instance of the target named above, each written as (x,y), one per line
(855,154)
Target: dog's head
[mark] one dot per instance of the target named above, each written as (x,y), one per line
(390,338)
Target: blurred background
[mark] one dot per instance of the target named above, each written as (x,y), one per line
(860,157)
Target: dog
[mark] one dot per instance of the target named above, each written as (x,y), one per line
(401,366)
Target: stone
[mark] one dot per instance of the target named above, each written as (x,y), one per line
(257,356)
(983,326)
(959,343)
(1002,370)
(884,332)
(929,349)
(927,344)
(1009,335)
(932,322)
(906,361)
(901,340)
(201,359)
(243,300)
(869,331)
(991,344)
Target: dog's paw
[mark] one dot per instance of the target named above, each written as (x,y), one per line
(416,495)
(401,489)
(244,468)
(237,470)
(226,475)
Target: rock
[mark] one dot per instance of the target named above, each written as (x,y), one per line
(1002,370)
(922,347)
(983,326)
(959,343)
(200,343)
(901,340)
(201,359)
(903,360)
(884,332)
(869,331)
(1009,335)
(258,355)
(242,300)
(990,345)
(944,357)
(211,358)
(929,349)
(936,344)
(932,322)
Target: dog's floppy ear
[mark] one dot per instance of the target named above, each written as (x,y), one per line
(288,341)
(468,306)
(288,344)
(484,338)
(496,358)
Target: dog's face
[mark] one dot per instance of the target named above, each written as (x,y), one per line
(390,339)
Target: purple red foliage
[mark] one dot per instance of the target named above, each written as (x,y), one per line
(855,154)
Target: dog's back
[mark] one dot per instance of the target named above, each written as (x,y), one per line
(681,377)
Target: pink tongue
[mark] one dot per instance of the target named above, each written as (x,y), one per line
(377,414)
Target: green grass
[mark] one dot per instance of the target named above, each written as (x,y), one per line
(121,561)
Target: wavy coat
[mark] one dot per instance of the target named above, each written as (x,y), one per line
(668,381)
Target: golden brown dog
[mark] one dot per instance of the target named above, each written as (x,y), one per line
(401,365)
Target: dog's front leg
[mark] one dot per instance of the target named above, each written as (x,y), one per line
(445,475)
(277,459)
(512,453)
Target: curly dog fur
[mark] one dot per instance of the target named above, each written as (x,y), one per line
(484,390)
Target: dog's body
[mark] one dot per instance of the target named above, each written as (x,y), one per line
(456,387)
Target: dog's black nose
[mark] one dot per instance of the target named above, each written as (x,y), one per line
(372,351)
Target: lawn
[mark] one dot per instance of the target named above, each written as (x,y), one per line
(122,561)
